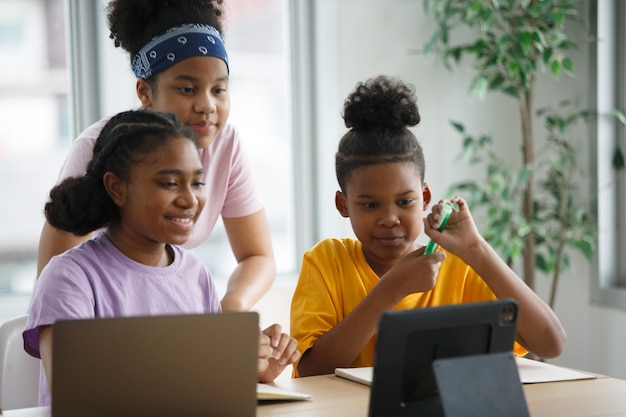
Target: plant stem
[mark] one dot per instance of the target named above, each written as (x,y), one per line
(526,99)
(564,198)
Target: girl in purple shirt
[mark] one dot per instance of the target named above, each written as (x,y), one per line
(144,184)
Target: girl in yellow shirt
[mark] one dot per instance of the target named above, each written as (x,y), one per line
(346,284)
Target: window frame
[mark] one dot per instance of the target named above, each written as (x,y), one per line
(83,64)
(607,79)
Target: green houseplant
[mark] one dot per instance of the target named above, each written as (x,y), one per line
(531,211)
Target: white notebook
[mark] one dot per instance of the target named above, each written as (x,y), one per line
(362,375)
(533,372)
(267,392)
(530,372)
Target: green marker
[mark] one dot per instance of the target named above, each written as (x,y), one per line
(445,213)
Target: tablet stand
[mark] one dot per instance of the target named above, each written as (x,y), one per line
(480,385)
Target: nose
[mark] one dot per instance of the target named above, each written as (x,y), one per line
(205,103)
(187,197)
(389,218)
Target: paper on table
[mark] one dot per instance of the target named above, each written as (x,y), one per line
(533,372)
(362,375)
(265,392)
(530,372)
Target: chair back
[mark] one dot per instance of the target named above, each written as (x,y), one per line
(19,372)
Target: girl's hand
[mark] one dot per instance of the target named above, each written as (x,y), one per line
(276,351)
(414,273)
(460,235)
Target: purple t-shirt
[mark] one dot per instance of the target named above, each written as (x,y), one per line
(95,280)
(230,186)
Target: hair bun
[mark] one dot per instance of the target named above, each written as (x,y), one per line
(381,103)
(133,23)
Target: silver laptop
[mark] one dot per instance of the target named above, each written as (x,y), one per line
(186,365)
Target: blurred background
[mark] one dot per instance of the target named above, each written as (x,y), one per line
(293,63)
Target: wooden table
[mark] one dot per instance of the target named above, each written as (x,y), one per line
(333,396)
(601,397)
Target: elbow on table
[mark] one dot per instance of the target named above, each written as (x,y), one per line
(553,345)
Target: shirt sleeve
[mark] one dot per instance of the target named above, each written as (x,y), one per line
(243,196)
(313,308)
(61,292)
(81,152)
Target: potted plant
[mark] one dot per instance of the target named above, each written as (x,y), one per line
(531,211)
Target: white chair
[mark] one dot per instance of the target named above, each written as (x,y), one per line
(19,372)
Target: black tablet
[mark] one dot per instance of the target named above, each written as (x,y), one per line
(409,341)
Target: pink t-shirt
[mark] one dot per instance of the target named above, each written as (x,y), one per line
(230,187)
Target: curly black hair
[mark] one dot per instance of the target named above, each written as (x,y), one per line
(80,205)
(378,113)
(133,23)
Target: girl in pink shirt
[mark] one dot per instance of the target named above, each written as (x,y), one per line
(180,61)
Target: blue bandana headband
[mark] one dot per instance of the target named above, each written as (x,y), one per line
(177,44)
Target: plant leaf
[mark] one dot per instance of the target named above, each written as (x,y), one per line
(431,44)
(479,87)
(618,159)
(587,247)
(547,55)
(568,65)
(511,91)
(458,126)
(620,116)
(555,68)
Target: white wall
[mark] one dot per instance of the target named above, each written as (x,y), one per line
(364,38)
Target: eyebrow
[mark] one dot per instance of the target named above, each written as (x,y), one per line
(400,195)
(186,77)
(178,171)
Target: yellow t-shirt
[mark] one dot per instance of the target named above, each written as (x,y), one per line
(335,277)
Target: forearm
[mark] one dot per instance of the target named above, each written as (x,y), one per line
(45,351)
(539,330)
(341,345)
(248,283)
(250,242)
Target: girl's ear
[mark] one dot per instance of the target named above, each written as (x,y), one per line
(426,196)
(144,93)
(115,188)
(340,203)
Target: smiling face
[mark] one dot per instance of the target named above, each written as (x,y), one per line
(385,204)
(163,198)
(195,90)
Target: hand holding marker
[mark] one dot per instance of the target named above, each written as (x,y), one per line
(445,215)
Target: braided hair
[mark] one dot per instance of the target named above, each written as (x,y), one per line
(80,205)
(378,113)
